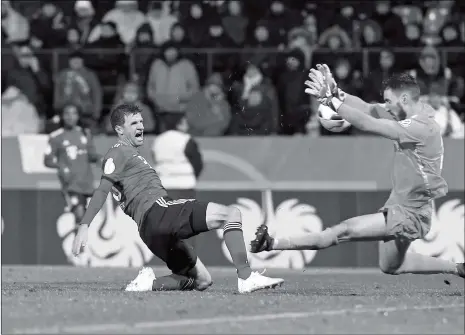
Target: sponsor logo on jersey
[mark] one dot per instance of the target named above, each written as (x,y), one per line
(113,240)
(289,217)
(446,237)
(109,167)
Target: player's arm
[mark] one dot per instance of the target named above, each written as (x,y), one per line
(355,102)
(113,167)
(51,154)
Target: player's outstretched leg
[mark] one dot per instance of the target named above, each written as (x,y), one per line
(230,220)
(394,259)
(370,227)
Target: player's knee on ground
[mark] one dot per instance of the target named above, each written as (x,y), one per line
(389,258)
(203,279)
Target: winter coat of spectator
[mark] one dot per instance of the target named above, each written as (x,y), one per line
(217,38)
(255,108)
(384,67)
(371,34)
(132,94)
(348,78)
(392,25)
(198,23)
(14,25)
(161,20)
(79,86)
(235,23)
(282,21)
(294,103)
(127,18)
(208,113)
(448,120)
(110,64)
(179,36)
(19,115)
(49,26)
(143,52)
(172,80)
(84,23)
(31,79)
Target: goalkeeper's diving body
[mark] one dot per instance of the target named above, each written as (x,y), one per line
(416,175)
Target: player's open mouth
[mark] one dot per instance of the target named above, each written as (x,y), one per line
(139,135)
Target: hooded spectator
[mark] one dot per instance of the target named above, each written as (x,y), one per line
(255,109)
(49,26)
(300,38)
(294,102)
(335,38)
(384,67)
(19,115)
(208,112)
(179,36)
(127,18)
(235,23)
(132,94)
(392,26)
(161,20)
(84,22)
(14,25)
(172,81)
(143,52)
(198,23)
(30,78)
(372,34)
(79,86)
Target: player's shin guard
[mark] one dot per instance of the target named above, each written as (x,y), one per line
(234,239)
(173,282)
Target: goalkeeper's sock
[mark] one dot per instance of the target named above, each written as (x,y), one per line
(173,282)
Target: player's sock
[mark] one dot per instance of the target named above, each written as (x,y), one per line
(173,282)
(422,264)
(310,241)
(234,239)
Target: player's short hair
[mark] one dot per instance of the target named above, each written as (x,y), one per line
(119,113)
(403,82)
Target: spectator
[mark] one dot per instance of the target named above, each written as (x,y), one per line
(14,25)
(255,109)
(282,21)
(261,36)
(172,81)
(73,42)
(127,18)
(28,76)
(84,23)
(109,63)
(451,36)
(347,78)
(208,113)
(382,70)
(143,52)
(132,94)
(412,35)
(178,160)
(448,120)
(335,38)
(393,28)
(197,22)
(19,115)
(235,23)
(161,21)
(217,38)
(49,26)
(301,39)
(372,34)
(179,36)
(294,102)
(79,86)
(311,27)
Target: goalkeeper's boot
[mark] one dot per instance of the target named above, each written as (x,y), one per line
(263,241)
(143,281)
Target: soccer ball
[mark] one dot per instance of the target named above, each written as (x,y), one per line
(330,120)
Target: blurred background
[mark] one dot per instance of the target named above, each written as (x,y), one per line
(231,67)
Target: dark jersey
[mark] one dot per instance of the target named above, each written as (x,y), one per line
(73,150)
(136,185)
(418,160)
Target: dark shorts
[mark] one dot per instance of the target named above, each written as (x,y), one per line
(74,199)
(167,224)
(408,223)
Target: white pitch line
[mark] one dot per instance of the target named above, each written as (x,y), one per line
(226,319)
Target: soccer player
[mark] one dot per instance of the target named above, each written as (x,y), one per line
(71,151)
(416,175)
(164,223)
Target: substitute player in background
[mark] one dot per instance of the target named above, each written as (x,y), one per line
(164,223)
(416,175)
(71,151)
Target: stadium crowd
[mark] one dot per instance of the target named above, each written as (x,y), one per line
(229,67)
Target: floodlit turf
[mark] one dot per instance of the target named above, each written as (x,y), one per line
(77,300)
